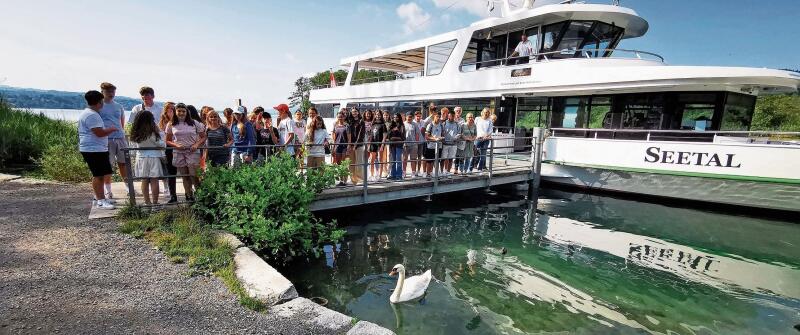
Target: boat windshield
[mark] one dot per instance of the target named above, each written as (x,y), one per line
(580,35)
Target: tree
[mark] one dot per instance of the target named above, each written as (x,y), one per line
(302,88)
(777,112)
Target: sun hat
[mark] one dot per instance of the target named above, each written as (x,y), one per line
(281,108)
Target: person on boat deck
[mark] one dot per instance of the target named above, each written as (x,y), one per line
(299,135)
(433,136)
(244,137)
(452,133)
(359,134)
(485,126)
(285,128)
(419,123)
(93,146)
(113,115)
(460,143)
(396,137)
(217,135)
(468,133)
(523,50)
(412,137)
(266,135)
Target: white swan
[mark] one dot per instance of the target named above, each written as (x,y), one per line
(410,288)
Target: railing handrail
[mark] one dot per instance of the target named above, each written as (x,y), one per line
(668,131)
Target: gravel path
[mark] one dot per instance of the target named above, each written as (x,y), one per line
(60,273)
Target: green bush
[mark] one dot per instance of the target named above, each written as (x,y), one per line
(63,162)
(24,137)
(267,206)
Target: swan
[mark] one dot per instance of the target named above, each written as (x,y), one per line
(410,288)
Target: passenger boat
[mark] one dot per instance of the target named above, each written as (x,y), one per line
(619,119)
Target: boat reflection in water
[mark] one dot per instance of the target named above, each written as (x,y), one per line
(507,268)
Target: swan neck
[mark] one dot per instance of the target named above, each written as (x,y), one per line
(399,288)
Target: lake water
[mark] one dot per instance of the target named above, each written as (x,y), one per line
(579,264)
(69,115)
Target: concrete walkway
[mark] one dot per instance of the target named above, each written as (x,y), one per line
(61,273)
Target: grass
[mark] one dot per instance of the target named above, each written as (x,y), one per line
(184,239)
(39,147)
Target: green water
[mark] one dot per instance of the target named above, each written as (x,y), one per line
(575,263)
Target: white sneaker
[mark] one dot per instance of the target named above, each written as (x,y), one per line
(104,204)
(109,199)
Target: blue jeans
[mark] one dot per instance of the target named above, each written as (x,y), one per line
(465,165)
(396,157)
(482,146)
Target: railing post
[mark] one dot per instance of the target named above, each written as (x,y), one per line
(435,167)
(491,164)
(365,174)
(129,177)
(536,160)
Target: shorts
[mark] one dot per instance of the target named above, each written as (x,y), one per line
(411,150)
(373,147)
(341,149)
(429,153)
(98,163)
(186,158)
(315,161)
(449,152)
(115,153)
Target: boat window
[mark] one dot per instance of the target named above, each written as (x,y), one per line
(438,54)
(738,112)
(573,115)
(600,112)
(697,116)
(515,37)
(468,63)
(579,35)
(532,112)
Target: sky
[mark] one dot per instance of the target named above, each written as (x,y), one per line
(213,52)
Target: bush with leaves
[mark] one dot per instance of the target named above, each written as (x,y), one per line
(267,206)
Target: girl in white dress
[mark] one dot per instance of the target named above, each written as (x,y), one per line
(145,134)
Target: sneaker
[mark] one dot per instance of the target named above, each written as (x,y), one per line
(341,183)
(104,204)
(172,200)
(109,199)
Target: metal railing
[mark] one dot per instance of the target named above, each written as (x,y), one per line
(752,137)
(391,77)
(547,57)
(517,157)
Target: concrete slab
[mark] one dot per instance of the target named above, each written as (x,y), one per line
(315,313)
(260,280)
(230,239)
(8,177)
(368,328)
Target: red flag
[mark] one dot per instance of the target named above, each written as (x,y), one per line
(333,79)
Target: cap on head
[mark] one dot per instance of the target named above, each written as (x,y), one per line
(240,110)
(281,108)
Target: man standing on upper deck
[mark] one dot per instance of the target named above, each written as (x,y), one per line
(523,50)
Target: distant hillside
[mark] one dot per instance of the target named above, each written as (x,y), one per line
(49,99)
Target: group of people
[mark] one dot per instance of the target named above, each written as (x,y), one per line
(176,139)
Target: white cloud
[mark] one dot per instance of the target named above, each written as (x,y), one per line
(476,7)
(291,58)
(414,17)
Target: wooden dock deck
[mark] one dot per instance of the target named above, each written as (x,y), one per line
(507,172)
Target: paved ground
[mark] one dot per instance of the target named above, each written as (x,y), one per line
(61,273)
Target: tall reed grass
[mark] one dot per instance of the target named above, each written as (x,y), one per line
(39,144)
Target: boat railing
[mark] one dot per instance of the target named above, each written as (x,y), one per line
(390,77)
(718,136)
(553,56)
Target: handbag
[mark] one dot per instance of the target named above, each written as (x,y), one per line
(327,147)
